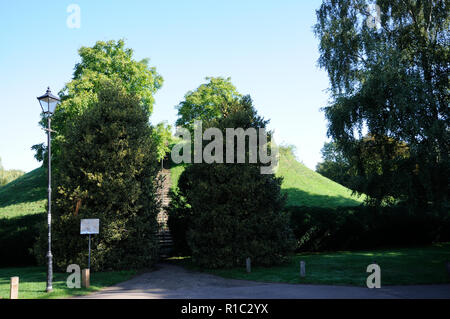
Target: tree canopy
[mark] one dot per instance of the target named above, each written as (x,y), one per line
(389,74)
(109,60)
(208,101)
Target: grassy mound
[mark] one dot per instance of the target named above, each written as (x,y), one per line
(25,195)
(303,186)
(22,212)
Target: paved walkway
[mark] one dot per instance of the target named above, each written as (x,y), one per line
(170,281)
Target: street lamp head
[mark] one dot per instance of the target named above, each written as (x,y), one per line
(48,102)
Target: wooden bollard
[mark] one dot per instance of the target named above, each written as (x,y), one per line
(14,288)
(85,277)
(248,264)
(448,267)
(302,269)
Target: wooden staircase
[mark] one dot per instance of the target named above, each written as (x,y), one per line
(164,237)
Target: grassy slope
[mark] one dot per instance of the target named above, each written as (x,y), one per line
(303,186)
(22,211)
(24,196)
(27,194)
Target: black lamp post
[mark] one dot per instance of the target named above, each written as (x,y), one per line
(48,104)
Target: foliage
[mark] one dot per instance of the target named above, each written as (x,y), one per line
(371,168)
(162,135)
(392,78)
(107,170)
(105,60)
(367,227)
(334,166)
(207,102)
(234,211)
(378,161)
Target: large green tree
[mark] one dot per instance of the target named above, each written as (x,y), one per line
(107,170)
(110,60)
(372,169)
(232,211)
(334,166)
(388,71)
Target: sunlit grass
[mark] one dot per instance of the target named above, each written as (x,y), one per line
(24,196)
(305,187)
(32,282)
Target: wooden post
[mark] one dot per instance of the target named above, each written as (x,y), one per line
(85,277)
(248,264)
(448,267)
(302,269)
(14,288)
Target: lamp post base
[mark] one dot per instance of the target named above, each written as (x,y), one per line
(49,272)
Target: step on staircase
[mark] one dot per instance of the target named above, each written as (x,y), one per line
(164,237)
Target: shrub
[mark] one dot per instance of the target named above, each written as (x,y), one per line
(107,170)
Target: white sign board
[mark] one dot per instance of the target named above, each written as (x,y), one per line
(89,226)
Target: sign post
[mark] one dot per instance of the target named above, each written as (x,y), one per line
(89,227)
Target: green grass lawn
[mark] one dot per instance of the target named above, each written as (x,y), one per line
(403,266)
(32,282)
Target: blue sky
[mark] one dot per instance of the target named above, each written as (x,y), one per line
(266,47)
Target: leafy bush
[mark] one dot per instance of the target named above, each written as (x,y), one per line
(366,227)
(107,170)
